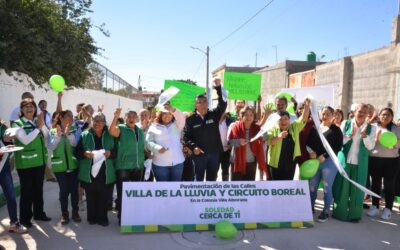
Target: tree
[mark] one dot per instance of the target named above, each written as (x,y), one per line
(96,79)
(45,37)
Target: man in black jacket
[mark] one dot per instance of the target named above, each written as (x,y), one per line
(201,135)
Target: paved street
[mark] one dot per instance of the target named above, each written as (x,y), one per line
(370,233)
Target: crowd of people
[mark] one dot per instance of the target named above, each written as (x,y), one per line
(87,156)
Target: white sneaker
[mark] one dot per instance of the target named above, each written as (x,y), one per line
(82,205)
(17,228)
(373,210)
(386,214)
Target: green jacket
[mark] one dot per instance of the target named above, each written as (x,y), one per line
(274,151)
(130,151)
(85,165)
(3,129)
(63,158)
(34,154)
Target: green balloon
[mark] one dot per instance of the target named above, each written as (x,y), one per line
(388,139)
(57,83)
(290,109)
(308,169)
(225,229)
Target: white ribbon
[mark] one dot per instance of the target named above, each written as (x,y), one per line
(98,159)
(147,166)
(11,132)
(272,120)
(224,94)
(331,153)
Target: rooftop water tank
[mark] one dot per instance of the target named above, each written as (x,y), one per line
(311,57)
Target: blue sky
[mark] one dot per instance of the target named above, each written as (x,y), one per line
(152,38)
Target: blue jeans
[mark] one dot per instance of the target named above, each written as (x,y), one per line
(168,173)
(68,183)
(206,164)
(7,185)
(327,171)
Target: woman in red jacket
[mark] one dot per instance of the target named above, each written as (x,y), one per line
(247,154)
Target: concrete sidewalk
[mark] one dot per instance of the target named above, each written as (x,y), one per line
(370,233)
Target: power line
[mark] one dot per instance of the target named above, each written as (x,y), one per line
(198,67)
(273,20)
(241,26)
(222,61)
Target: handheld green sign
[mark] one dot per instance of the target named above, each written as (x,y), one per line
(184,100)
(242,86)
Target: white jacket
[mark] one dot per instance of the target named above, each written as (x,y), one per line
(160,136)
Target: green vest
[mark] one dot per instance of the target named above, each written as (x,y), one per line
(130,151)
(63,158)
(34,154)
(85,165)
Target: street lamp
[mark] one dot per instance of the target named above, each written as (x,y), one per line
(207,53)
(320,58)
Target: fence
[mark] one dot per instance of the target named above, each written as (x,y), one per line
(107,81)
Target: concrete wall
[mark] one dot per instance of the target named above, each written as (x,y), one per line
(332,74)
(371,82)
(276,78)
(11,88)
(273,79)
(369,77)
(327,74)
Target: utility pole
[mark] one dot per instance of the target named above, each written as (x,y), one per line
(276,53)
(207,53)
(398,7)
(208,75)
(139,84)
(346,51)
(255,65)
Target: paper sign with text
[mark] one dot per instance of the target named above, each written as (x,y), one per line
(323,95)
(242,86)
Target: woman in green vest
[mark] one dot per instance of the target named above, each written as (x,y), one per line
(358,138)
(64,164)
(97,178)
(30,162)
(130,158)
(284,144)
